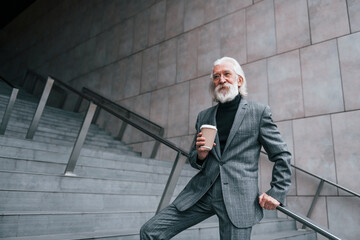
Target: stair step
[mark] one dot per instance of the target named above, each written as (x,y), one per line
(27,111)
(46,119)
(93,221)
(20,181)
(32,201)
(203,231)
(26,108)
(22,125)
(58,128)
(128,234)
(18,115)
(274,225)
(43,223)
(119,172)
(65,135)
(293,235)
(45,137)
(30,150)
(63,156)
(28,160)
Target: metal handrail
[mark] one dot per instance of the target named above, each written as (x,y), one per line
(327,181)
(100,99)
(93,97)
(7,82)
(128,116)
(323,179)
(35,83)
(61,83)
(135,125)
(308,223)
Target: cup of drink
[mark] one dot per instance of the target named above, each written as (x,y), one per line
(209,133)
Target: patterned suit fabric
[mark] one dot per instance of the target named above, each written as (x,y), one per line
(237,166)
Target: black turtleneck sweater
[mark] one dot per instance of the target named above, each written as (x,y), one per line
(224,119)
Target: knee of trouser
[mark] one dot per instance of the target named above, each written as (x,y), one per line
(144,235)
(147,233)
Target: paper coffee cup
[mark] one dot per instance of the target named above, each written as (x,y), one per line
(209,133)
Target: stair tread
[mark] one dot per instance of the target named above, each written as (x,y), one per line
(151,174)
(24,213)
(107,165)
(135,232)
(57,148)
(78,236)
(281,234)
(76,176)
(51,147)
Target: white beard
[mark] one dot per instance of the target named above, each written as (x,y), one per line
(226,92)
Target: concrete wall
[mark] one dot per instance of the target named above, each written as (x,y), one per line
(302,57)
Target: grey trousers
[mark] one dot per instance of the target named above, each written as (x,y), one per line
(169,222)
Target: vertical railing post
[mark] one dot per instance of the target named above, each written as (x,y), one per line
(155,149)
(21,82)
(314,200)
(157,145)
(33,85)
(121,131)
(96,115)
(78,104)
(44,97)
(171,183)
(8,110)
(80,140)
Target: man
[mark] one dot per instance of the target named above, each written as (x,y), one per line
(227,183)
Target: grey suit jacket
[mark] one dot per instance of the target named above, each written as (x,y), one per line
(238,164)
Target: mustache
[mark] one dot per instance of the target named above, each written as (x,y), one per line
(225,85)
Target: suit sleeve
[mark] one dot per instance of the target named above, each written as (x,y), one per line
(277,152)
(193,159)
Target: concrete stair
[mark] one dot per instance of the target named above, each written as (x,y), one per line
(114,191)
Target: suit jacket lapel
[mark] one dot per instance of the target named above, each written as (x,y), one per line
(216,150)
(212,120)
(240,113)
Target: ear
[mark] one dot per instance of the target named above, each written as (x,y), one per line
(240,81)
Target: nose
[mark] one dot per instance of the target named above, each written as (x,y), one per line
(222,79)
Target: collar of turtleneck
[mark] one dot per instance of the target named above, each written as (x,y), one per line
(224,119)
(233,104)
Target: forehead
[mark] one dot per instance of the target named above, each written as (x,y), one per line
(225,66)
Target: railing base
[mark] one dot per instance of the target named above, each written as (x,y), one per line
(70,174)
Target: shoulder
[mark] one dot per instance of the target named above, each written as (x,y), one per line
(258,110)
(256,106)
(207,112)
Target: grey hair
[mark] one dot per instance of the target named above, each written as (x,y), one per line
(238,70)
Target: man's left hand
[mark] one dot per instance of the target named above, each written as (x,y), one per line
(268,202)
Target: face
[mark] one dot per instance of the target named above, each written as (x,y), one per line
(226,82)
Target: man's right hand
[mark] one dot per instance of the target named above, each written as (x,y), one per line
(202,152)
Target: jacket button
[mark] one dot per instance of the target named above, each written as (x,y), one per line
(221,163)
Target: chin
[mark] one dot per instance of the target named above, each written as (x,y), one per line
(224,97)
(226,93)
